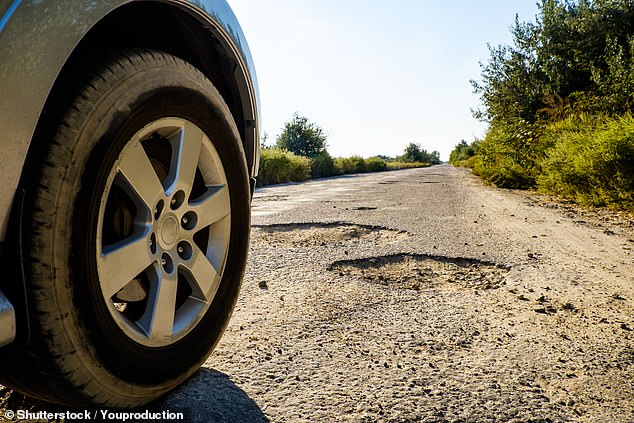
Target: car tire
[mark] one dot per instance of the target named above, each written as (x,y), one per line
(135,231)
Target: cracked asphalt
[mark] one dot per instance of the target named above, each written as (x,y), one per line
(424,296)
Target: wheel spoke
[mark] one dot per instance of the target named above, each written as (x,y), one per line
(212,206)
(203,276)
(138,172)
(176,179)
(122,262)
(188,143)
(158,320)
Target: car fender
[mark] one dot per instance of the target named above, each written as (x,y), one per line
(38,37)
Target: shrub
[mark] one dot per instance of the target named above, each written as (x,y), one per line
(278,166)
(406,165)
(462,153)
(322,166)
(376,164)
(591,161)
(510,154)
(359,164)
(344,165)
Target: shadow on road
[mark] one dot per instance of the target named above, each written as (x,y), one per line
(210,396)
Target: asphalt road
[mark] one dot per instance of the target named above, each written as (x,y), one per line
(422,295)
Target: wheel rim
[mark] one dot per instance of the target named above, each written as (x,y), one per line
(163,232)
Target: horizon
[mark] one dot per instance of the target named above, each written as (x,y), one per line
(375,77)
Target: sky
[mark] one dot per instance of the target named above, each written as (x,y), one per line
(375,75)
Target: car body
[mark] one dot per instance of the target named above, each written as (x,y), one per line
(43,42)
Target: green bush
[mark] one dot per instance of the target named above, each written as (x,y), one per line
(510,154)
(469,163)
(359,164)
(322,166)
(406,165)
(344,165)
(376,164)
(462,153)
(278,166)
(592,161)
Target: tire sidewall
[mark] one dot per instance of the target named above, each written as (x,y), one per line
(142,96)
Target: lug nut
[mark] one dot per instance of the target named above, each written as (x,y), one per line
(185,250)
(177,199)
(167,263)
(188,221)
(158,209)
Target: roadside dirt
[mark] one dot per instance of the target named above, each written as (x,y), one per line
(424,296)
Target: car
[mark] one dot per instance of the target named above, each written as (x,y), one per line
(130,149)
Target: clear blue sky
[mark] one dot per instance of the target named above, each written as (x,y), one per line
(375,75)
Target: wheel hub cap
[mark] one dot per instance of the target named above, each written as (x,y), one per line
(169,231)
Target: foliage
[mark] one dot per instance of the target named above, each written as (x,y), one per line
(300,153)
(462,152)
(302,137)
(592,161)
(278,166)
(347,165)
(376,164)
(615,83)
(510,154)
(575,54)
(322,165)
(396,165)
(559,103)
(414,153)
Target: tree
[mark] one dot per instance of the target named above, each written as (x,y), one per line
(462,152)
(575,54)
(414,153)
(302,137)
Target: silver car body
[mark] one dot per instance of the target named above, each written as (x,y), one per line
(38,38)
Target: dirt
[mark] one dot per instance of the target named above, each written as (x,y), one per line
(424,296)
(321,234)
(413,271)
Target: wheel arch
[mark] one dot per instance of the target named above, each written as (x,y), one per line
(206,34)
(210,43)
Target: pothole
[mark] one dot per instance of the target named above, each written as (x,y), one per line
(364,208)
(322,234)
(420,271)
